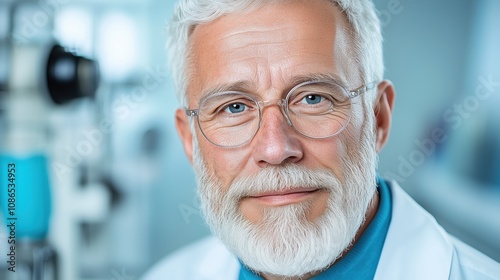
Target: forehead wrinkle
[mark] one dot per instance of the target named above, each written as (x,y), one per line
(266,73)
(257,35)
(256,76)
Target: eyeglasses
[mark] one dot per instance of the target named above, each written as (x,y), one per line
(316,109)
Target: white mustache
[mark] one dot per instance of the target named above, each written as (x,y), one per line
(282,178)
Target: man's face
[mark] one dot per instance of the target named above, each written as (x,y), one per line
(264,51)
(268,48)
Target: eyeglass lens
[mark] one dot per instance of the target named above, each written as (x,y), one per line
(315,109)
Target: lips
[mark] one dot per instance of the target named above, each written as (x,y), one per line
(280,198)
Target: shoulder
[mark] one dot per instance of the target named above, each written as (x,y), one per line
(469,263)
(417,245)
(207,258)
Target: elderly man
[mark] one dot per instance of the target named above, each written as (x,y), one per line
(285,110)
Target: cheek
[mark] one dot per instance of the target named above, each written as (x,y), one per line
(327,154)
(225,164)
(337,153)
(354,139)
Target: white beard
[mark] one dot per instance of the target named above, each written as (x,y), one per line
(285,242)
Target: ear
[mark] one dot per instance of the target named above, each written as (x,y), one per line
(182,125)
(383,112)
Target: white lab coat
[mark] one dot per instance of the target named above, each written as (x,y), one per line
(416,248)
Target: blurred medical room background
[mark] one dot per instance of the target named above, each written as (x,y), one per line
(103,189)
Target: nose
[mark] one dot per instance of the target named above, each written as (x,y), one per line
(276,142)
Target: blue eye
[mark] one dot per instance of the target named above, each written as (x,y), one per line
(313,99)
(236,108)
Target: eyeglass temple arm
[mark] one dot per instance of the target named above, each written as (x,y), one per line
(363,89)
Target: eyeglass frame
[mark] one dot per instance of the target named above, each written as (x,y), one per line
(283,104)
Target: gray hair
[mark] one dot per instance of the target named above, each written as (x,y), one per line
(367,37)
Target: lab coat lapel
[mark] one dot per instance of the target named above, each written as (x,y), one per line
(416,247)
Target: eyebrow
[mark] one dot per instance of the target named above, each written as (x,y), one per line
(248,86)
(316,77)
(242,86)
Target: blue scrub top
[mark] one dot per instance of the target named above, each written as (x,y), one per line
(362,259)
